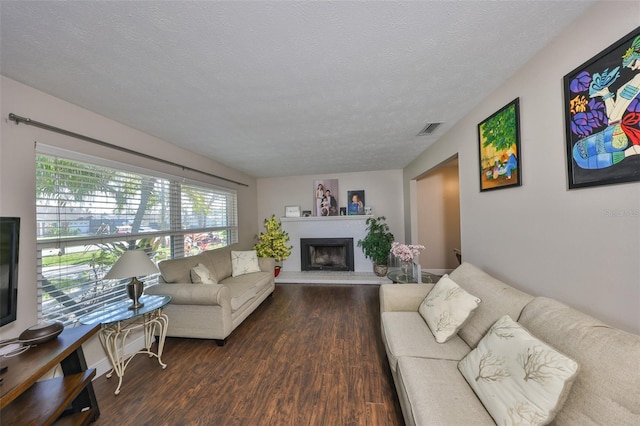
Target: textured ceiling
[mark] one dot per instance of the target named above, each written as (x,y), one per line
(278,88)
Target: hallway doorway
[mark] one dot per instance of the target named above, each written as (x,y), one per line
(438,216)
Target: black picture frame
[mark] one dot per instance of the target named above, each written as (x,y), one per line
(355,200)
(499,148)
(602,116)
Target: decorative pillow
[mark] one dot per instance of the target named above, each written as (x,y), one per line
(202,275)
(244,262)
(447,308)
(518,378)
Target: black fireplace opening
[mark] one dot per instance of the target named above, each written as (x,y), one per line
(326,254)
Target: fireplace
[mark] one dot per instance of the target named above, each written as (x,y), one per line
(326,254)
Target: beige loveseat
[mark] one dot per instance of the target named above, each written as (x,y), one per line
(432,390)
(211,311)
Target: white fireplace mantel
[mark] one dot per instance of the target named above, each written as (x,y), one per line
(360,218)
(326,227)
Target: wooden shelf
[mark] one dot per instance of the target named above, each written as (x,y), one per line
(82,418)
(25,400)
(45,401)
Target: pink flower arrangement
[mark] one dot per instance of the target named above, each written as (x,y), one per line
(406,252)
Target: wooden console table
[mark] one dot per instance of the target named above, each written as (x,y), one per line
(62,400)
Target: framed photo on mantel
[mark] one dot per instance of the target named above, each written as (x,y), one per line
(291,211)
(356,202)
(325,197)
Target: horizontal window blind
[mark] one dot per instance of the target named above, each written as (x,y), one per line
(88,214)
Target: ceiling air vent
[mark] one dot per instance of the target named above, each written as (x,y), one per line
(429,128)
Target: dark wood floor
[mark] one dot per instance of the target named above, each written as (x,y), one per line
(309,355)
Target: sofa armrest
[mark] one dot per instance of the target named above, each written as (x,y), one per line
(403,297)
(267,264)
(192,294)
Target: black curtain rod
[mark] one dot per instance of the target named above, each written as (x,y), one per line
(44,126)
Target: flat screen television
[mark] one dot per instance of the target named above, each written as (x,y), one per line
(9,243)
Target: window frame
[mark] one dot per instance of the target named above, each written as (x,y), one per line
(174,235)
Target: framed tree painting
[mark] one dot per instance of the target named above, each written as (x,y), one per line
(499,148)
(602,116)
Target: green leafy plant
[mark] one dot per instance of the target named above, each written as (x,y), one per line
(377,243)
(273,242)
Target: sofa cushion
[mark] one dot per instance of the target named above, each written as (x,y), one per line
(267,264)
(179,270)
(498,299)
(446,308)
(220,261)
(191,294)
(406,334)
(245,287)
(200,274)
(258,279)
(240,293)
(244,262)
(435,393)
(606,389)
(518,378)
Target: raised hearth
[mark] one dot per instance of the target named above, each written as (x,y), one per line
(330,277)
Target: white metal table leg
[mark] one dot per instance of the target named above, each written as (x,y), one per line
(113,339)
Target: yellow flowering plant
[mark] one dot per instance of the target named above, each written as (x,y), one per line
(273,242)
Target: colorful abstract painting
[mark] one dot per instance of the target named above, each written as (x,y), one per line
(602,116)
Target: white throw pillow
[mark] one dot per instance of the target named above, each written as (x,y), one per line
(519,379)
(202,275)
(447,308)
(244,262)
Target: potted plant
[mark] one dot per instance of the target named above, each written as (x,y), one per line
(377,244)
(273,242)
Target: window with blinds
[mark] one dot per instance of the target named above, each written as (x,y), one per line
(89,213)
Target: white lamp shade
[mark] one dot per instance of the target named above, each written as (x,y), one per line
(133,263)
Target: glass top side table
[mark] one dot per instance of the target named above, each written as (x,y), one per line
(117,321)
(399,277)
(120,311)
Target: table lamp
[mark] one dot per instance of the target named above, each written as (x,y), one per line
(132,264)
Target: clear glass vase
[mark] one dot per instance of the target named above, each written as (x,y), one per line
(407,269)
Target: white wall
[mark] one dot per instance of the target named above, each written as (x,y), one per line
(541,237)
(17,176)
(382,192)
(438,222)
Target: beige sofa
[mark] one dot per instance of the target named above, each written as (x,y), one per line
(211,311)
(432,391)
